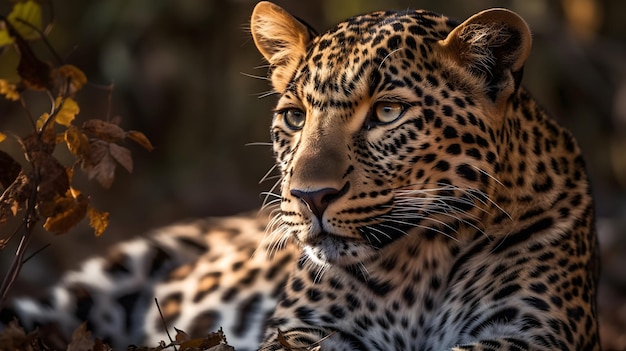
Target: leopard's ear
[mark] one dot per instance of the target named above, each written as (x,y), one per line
(493,45)
(281,39)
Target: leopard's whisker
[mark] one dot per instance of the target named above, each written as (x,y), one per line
(270,203)
(271,191)
(267,93)
(259,143)
(404,218)
(379,231)
(410,224)
(254,76)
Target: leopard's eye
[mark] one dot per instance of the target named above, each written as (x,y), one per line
(387,112)
(293,117)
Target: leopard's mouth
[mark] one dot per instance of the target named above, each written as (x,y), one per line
(328,248)
(316,238)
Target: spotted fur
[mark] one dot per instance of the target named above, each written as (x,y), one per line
(426,203)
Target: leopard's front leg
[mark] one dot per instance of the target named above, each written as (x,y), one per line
(310,339)
(500,344)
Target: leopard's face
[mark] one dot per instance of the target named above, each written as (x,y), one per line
(380,132)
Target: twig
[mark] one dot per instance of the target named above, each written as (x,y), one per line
(51,22)
(43,37)
(36,253)
(110,101)
(29,222)
(55,108)
(109,90)
(32,120)
(6,240)
(156,301)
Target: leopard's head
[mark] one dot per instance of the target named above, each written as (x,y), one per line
(387,125)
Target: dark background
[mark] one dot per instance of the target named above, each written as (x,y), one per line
(181,70)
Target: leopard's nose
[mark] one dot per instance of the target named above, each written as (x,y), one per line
(318,200)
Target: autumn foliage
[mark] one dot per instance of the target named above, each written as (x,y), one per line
(39,188)
(42,191)
(14,338)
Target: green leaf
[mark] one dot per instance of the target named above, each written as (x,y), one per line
(5,38)
(29,12)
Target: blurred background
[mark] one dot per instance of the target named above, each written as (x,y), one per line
(183,72)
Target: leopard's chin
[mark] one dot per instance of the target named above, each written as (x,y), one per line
(331,249)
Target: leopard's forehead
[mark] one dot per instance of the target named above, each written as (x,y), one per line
(345,55)
(373,28)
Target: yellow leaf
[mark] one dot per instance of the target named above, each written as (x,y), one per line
(2,137)
(76,76)
(5,38)
(29,12)
(99,221)
(67,112)
(140,139)
(9,90)
(42,119)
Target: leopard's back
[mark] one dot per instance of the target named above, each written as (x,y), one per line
(205,274)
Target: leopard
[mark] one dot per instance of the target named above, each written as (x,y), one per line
(426,201)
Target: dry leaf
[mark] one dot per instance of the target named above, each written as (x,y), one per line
(14,338)
(14,197)
(99,221)
(221,347)
(53,177)
(181,336)
(140,139)
(99,164)
(104,130)
(213,341)
(35,74)
(49,137)
(122,155)
(192,344)
(39,143)
(4,242)
(76,76)
(81,339)
(282,340)
(64,213)
(9,169)
(99,345)
(77,142)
